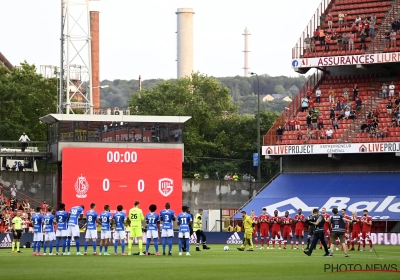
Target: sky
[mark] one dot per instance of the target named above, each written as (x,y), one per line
(138,37)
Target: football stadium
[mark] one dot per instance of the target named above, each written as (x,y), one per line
(114,199)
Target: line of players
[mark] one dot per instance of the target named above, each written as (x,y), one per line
(360,229)
(68,228)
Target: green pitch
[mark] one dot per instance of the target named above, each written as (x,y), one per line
(204,265)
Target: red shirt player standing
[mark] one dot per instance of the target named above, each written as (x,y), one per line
(264,227)
(276,229)
(326,227)
(255,231)
(287,229)
(366,230)
(355,234)
(299,219)
(347,228)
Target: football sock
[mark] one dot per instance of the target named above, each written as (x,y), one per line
(262,241)
(187,244)
(94,246)
(34,246)
(77,244)
(69,244)
(156,244)
(170,243)
(51,247)
(130,241)
(64,244)
(12,246)
(123,246)
(86,245)
(115,246)
(45,247)
(148,244)
(57,244)
(164,243)
(140,241)
(101,249)
(38,246)
(180,245)
(106,249)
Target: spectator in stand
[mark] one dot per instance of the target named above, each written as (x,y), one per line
(13,203)
(331,94)
(13,190)
(375,122)
(331,113)
(329,133)
(363,36)
(311,111)
(321,21)
(216,176)
(245,177)
(372,132)
(24,139)
(358,20)
(311,103)
(25,205)
(312,45)
(328,41)
(352,115)
(364,127)
(391,90)
(316,35)
(346,114)
(297,123)
(314,121)
(206,176)
(377,112)
(318,95)
(287,125)
(338,107)
(358,104)
(320,124)
(351,41)
(299,135)
(372,23)
(329,19)
(309,93)
(292,124)
(307,43)
(279,132)
(322,36)
(387,38)
(341,17)
(394,25)
(345,41)
(308,135)
(340,42)
(366,26)
(308,120)
(389,107)
(235,177)
(355,92)
(394,121)
(44,206)
(341,115)
(335,124)
(226,177)
(304,104)
(384,91)
(379,133)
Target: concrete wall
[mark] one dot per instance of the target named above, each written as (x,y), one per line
(214,194)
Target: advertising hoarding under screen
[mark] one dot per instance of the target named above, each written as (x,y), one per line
(122,176)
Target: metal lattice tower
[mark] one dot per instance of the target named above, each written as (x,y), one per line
(75,90)
(246,52)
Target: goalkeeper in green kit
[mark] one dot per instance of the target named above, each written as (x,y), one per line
(248,232)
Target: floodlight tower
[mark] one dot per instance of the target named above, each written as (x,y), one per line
(76,88)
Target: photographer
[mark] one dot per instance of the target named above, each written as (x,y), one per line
(311,229)
(318,221)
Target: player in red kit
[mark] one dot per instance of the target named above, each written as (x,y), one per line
(366,230)
(299,219)
(355,233)
(276,229)
(287,229)
(326,228)
(347,228)
(255,230)
(264,227)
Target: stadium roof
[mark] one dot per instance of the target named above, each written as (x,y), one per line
(53,118)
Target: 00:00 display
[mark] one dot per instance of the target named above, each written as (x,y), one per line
(121,157)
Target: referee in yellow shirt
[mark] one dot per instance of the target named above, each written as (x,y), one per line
(17,232)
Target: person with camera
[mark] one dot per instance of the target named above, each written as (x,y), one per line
(318,221)
(311,229)
(338,227)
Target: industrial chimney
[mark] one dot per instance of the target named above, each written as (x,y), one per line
(95,53)
(246,52)
(185,41)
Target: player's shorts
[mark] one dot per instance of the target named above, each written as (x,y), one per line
(336,235)
(73,230)
(264,232)
(61,233)
(136,232)
(365,235)
(38,236)
(327,233)
(120,234)
(184,235)
(355,234)
(91,234)
(255,233)
(17,234)
(105,234)
(152,233)
(287,233)
(167,232)
(49,236)
(299,232)
(276,233)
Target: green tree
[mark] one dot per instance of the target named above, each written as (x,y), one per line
(280,89)
(24,97)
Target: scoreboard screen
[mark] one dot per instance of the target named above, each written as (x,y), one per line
(122,176)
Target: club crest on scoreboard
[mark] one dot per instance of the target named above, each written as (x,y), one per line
(81,187)
(166,186)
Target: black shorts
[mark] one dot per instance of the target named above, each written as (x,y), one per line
(17,234)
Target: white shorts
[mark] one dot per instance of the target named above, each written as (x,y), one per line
(73,230)
(152,234)
(49,236)
(91,234)
(120,234)
(38,236)
(167,232)
(184,235)
(61,233)
(105,234)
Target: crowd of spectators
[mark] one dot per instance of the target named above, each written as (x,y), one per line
(228,177)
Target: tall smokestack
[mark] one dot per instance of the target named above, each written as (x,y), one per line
(185,41)
(246,52)
(95,54)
